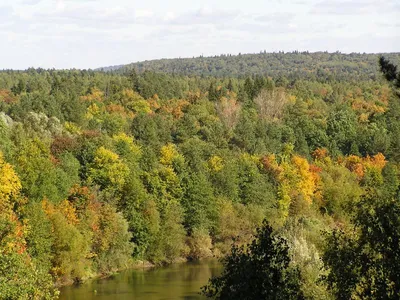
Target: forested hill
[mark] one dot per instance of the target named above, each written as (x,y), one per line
(303,64)
(100,171)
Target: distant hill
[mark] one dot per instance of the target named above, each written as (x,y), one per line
(302,64)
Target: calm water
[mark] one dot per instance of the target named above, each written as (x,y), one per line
(180,281)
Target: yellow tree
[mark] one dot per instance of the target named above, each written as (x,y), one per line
(10,186)
(298,182)
(364,165)
(19,276)
(133,101)
(11,235)
(169,154)
(108,170)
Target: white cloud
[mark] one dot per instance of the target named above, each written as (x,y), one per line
(275,17)
(169,16)
(60,5)
(205,15)
(29,2)
(93,33)
(143,13)
(353,7)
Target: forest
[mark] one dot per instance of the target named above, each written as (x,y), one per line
(166,161)
(293,65)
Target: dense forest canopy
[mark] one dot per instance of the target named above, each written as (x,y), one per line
(317,65)
(100,170)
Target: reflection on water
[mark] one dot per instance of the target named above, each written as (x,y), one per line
(180,281)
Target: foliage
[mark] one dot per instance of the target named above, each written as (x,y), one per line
(266,263)
(107,170)
(364,263)
(20,277)
(297,64)
(103,169)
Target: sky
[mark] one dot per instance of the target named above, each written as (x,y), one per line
(65,34)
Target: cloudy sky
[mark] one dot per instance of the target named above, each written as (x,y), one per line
(95,33)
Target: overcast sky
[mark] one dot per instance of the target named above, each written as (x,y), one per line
(95,33)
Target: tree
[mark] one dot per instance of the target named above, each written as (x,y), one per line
(169,242)
(364,263)
(262,270)
(134,78)
(20,277)
(270,103)
(10,185)
(390,72)
(107,170)
(249,87)
(212,92)
(342,129)
(228,111)
(393,114)
(197,201)
(230,85)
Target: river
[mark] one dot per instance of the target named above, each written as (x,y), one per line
(177,281)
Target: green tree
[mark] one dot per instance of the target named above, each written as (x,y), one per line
(390,72)
(261,270)
(198,204)
(364,263)
(342,129)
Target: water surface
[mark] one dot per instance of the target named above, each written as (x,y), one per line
(178,281)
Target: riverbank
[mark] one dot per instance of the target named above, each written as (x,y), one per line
(137,265)
(177,280)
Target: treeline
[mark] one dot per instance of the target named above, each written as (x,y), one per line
(311,66)
(99,170)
